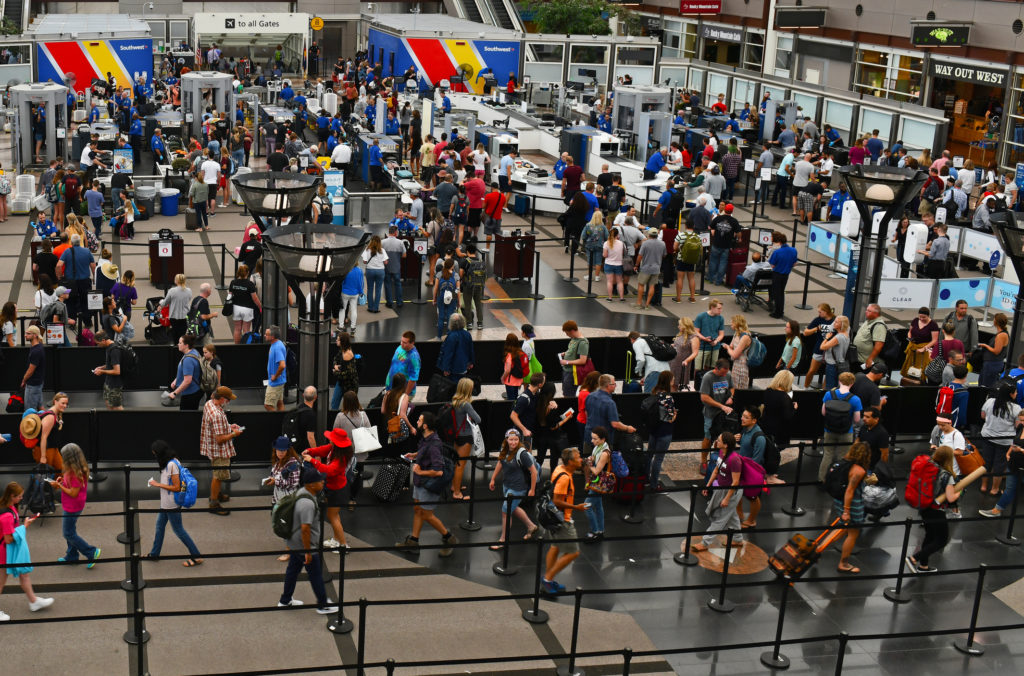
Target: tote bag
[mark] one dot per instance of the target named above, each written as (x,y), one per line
(365,439)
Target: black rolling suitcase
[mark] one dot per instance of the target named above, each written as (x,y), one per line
(191,219)
(392,477)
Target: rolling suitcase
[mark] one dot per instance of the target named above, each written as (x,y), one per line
(629,384)
(631,489)
(799,554)
(392,477)
(440,389)
(522,205)
(191,219)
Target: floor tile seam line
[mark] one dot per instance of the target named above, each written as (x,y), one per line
(544,633)
(345,643)
(266,578)
(19,270)
(211,260)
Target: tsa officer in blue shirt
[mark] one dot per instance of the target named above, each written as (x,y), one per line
(680,117)
(371,112)
(135,133)
(745,113)
(156,144)
(782,259)
(605,123)
(323,126)
(733,124)
(655,164)
(376,162)
(446,103)
(287,93)
(391,126)
(560,166)
(94,113)
(832,136)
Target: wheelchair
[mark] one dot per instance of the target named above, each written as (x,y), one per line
(757,292)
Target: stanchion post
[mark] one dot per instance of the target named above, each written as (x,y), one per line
(844,638)
(796,229)
(773,659)
(807,280)
(502,567)
(893,448)
(320,549)
(137,634)
(535,615)
(223,261)
(537,295)
(1009,539)
(573,248)
(470,524)
(794,509)
(814,451)
(533,215)
(703,270)
(967,646)
(686,558)
(134,582)
(896,594)
(339,624)
(721,604)
(389,666)
(361,638)
(590,279)
(571,669)
(128,536)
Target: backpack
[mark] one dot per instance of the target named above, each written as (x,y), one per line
(446,423)
(674,208)
(446,289)
(291,366)
(326,209)
(186,497)
(660,350)
(756,352)
(651,409)
(614,199)
(752,477)
(47,313)
(129,360)
(998,204)
(619,466)
(691,250)
(461,214)
(520,365)
(39,497)
(207,376)
(920,490)
(281,516)
(196,324)
(86,338)
(5,185)
(16,402)
(592,238)
(837,478)
(52,193)
(439,484)
(446,225)
(837,412)
(476,274)
(944,401)
(549,516)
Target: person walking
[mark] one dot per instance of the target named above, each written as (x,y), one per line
(427,464)
(246,303)
(850,508)
(12,531)
(936,527)
(216,444)
(35,372)
(73,485)
(519,474)
(660,431)
(169,484)
(446,296)
(561,554)
(723,497)
(465,418)
(285,470)
(782,259)
(185,388)
(304,538)
(333,459)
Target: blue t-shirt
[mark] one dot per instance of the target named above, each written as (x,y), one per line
(95,200)
(189,366)
(76,264)
(836,202)
(855,405)
(709,327)
(655,163)
(278,354)
(287,94)
(783,259)
(665,198)
(504,164)
(446,104)
(352,285)
(875,146)
(323,122)
(376,156)
(592,204)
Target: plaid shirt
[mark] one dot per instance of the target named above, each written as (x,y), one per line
(215,423)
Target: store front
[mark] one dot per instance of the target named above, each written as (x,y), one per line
(722,44)
(972,96)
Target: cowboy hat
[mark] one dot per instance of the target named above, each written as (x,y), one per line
(31,426)
(109,271)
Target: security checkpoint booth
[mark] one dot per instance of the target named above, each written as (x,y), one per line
(644,114)
(27,99)
(202,88)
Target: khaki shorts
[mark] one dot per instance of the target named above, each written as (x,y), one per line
(645,278)
(566,532)
(112,396)
(274,395)
(221,474)
(705,360)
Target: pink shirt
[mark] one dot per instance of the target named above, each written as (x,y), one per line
(475,190)
(73,504)
(8,522)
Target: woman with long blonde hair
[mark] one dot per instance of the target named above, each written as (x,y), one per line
(73,486)
(462,409)
(737,349)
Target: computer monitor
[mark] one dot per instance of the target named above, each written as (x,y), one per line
(587,72)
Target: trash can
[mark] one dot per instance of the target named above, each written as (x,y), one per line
(144,200)
(169,201)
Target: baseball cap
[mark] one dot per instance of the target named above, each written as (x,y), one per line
(224,393)
(61,291)
(282,443)
(33,330)
(728,208)
(878,366)
(310,474)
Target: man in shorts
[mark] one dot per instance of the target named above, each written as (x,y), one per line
(562,554)
(111,370)
(494,205)
(427,463)
(716,393)
(277,370)
(215,443)
(710,330)
(648,266)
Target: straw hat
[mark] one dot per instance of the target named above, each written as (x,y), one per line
(30,426)
(109,271)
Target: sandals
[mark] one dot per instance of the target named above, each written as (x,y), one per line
(699,547)
(192,563)
(284,558)
(461,498)
(497,548)
(529,533)
(851,570)
(749,524)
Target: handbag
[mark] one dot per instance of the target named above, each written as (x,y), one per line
(579,373)
(603,483)
(479,450)
(362,299)
(969,460)
(933,372)
(365,439)
(229,307)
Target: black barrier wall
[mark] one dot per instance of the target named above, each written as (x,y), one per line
(119,436)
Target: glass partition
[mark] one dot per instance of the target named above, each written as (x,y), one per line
(637,62)
(1013,146)
(543,61)
(743,91)
(875,119)
(917,134)
(753,50)
(673,76)
(696,79)
(590,59)
(717,84)
(807,103)
(840,116)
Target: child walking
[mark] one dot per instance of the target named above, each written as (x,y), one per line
(73,485)
(13,532)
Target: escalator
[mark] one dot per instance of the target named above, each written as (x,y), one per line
(501,15)
(472,11)
(12,12)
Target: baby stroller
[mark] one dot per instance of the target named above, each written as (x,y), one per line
(158,331)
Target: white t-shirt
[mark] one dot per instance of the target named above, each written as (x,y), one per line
(42,299)
(826,167)
(479,159)
(211,172)
(375,261)
(85,159)
(342,154)
(8,330)
(705,199)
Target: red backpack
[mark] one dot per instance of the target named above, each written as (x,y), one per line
(520,365)
(920,491)
(944,401)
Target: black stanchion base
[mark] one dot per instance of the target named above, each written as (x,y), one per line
(125,540)
(801,306)
(685,559)
(129,586)
(588,294)
(367,475)
(703,292)
(973,650)
(565,671)
(131,639)
(537,296)
(1009,541)
(571,280)
(471,526)
(891,594)
(794,511)
(773,661)
(725,606)
(540,617)
(97,477)
(340,625)
(235,476)
(497,569)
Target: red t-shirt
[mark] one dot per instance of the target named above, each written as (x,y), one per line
(573,178)
(687,158)
(494,202)
(475,190)
(719,107)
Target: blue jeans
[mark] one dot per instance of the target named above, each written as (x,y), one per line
(314,571)
(717,263)
(511,392)
(990,371)
(595,515)
(76,545)
(174,516)
(34,397)
(336,395)
(657,446)
(393,288)
(374,283)
(781,189)
(831,376)
(1009,491)
(444,312)
(115,198)
(730,188)
(650,380)
(239,157)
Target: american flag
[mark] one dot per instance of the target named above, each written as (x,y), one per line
(199,56)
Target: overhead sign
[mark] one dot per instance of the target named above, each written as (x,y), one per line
(700,6)
(721,33)
(975,74)
(800,17)
(250,23)
(938,34)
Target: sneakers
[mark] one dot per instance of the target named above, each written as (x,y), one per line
(4,617)
(990,513)
(331,543)
(409,545)
(592,538)
(955,515)
(548,587)
(40,603)
(447,550)
(95,557)
(293,602)
(479,325)
(327,610)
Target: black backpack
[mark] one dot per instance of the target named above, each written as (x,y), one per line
(837,478)
(39,498)
(674,208)
(660,350)
(129,360)
(651,409)
(446,427)
(290,424)
(837,412)
(195,323)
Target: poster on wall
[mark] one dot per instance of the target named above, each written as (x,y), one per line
(89,59)
(123,161)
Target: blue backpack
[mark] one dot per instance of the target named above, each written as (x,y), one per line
(756,352)
(186,497)
(619,466)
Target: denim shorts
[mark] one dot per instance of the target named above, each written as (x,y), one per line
(612,269)
(707,427)
(421,494)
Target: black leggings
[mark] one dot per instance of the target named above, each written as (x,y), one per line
(936,534)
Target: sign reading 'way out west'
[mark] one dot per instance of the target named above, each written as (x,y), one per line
(963,73)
